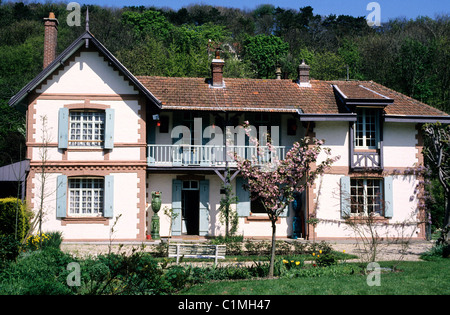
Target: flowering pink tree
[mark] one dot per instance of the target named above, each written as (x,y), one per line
(276,182)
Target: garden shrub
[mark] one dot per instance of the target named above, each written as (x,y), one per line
(282,248)
(315,271)
(121,274)
(41,272)
(435,253)
(9,207)
(322,246)
(161,249)
(233,244)
(9,248)
(326,259)
(44,240)
(299,247)
(227,272)
(178,276)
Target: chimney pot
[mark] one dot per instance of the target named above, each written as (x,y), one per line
(50,38)
(278,73)
(217,65)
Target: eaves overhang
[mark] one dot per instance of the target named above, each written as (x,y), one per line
(417,119)
(327,117)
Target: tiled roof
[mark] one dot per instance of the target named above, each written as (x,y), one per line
(276,96)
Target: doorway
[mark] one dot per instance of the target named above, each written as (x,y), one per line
(190,202)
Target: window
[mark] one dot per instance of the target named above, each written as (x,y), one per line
(257,206)
(367,128)
(86,196)
(87,128)
(365,196)
(190,185)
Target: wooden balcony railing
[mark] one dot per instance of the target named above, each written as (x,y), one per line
(366,160)
(208,155)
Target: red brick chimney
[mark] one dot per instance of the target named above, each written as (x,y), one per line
(217,70)
(50,38)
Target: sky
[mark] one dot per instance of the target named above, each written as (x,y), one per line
(389,9)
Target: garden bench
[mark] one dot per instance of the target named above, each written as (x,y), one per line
(197,251)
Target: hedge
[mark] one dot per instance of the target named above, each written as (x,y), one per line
(14,215)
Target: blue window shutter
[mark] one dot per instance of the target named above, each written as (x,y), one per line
(108,197)
(63,128)
(243,203)
(61,196)
(176,206)
(204,208)
(345,196)
(109,128)
(388,197)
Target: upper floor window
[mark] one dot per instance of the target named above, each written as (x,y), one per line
(367,128)
(87,128)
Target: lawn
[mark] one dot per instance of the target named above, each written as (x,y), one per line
(423,277)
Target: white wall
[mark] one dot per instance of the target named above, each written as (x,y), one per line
(331,224)
(126,130)
(399,145)
(335,134)
(89,78)
(125,204)
(89,73)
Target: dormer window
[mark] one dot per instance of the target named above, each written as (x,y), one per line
(367,129)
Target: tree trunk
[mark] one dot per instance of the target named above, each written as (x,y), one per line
(447,210)
(272,253)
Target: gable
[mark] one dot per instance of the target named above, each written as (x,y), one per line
(69,55)
(87,73)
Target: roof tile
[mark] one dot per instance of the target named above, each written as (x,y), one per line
(275,95)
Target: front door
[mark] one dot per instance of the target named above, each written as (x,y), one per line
(190,202)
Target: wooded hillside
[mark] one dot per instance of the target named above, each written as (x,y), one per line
(410,56)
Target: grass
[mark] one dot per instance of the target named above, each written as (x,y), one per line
(423,277)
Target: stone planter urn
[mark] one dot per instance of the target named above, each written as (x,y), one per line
(156,205)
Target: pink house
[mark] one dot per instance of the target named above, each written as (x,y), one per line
(112,138)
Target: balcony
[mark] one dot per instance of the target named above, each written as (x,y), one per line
(366,160)
(171,155)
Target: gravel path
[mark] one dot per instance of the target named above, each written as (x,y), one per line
(385,252)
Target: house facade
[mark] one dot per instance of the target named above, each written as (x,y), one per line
(100,141)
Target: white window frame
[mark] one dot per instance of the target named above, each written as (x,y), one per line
(370,199)
(82,201)
(365,127)
(86,128)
